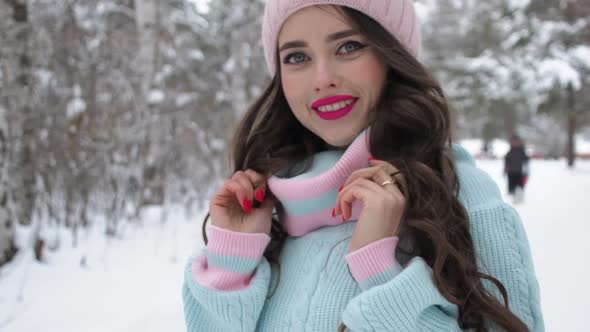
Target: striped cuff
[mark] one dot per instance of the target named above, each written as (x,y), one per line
(230,259)
(374,264)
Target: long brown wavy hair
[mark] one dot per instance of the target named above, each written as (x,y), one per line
(410,128)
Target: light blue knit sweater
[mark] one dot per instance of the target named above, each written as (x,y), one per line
(316,291)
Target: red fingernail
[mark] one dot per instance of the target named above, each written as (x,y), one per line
(343,219)
(372,159)
(340,189)
(247,205)
(260,195)
(333,212)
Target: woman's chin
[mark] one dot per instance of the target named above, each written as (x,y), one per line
(339,140)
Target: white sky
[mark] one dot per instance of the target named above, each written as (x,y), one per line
(202,5)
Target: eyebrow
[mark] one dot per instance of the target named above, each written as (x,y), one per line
(333,37)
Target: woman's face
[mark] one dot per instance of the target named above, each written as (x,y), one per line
(331,78)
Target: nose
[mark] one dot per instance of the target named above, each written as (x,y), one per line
(326,76)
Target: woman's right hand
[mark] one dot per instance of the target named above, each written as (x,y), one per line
(232,206)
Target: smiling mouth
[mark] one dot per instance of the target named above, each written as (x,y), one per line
(335,106)
(336,110)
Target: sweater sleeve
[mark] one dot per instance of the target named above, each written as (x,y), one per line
(374,264)
(411,301)
(225,285)
(504,253)
(408,302)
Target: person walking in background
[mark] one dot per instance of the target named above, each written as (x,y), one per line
(516,168)
(349,207)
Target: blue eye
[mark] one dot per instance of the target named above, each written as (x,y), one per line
(351,46)
(295,58)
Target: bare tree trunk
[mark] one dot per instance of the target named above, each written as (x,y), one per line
(7,245)
(113,215)
(571,127)
(146,21)
(6,224)
(147,26)
(21,106)
(510,120)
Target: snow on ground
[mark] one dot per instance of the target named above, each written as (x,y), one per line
(134,285)
(497,147)
(556,215)
(127,285)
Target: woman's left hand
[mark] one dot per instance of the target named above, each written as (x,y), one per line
(383,205)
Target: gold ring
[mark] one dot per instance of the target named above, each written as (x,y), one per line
(388,182)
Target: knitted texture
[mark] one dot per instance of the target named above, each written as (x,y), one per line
(230,259)
(317,292)
(308,199)
(231,268)
(396,16)
(374,264)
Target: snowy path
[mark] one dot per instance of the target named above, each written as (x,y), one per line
(556,215)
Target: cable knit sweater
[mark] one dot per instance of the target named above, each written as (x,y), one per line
(228,285)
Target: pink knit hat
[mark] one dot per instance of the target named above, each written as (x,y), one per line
(397,16)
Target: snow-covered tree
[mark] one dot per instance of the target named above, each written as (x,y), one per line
(562,39)
(501,62)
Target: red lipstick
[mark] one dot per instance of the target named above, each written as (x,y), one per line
(330,100)
(334,115)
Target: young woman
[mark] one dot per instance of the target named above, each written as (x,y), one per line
(349,207)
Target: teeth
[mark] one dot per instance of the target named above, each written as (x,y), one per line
(335,106)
